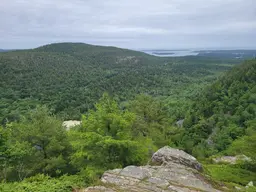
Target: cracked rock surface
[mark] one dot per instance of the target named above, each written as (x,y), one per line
(176,171)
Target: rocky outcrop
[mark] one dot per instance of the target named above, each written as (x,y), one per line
(250,184)
(180,123)
(171,170)
(232,159)
(71,123)
(98,189)
(167,154)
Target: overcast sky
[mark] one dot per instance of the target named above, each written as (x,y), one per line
(137,24)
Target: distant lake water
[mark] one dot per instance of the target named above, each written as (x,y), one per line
(171,53)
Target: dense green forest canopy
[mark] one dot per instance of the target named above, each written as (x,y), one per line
(71,77)
(223,112)
(129,103)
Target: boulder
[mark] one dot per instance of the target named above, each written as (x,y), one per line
(238,188)
(231,159)
(71,123)
(167,155)
(250,184)
(180,123)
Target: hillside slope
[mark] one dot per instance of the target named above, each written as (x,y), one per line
(224,112)
(71,77)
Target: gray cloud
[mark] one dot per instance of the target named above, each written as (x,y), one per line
(132,24)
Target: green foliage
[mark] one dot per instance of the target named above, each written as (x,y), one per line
(231,174)
(36,144)
(3,139)
(245,145)
(43,183)
(105,140)
(152,120)
(224,111)
(109,120)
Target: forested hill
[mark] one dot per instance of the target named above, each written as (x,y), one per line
(3,50)
(85,50)
(223,113)
(71,77)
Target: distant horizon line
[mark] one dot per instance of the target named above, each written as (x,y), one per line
(143,49)
(199,49)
